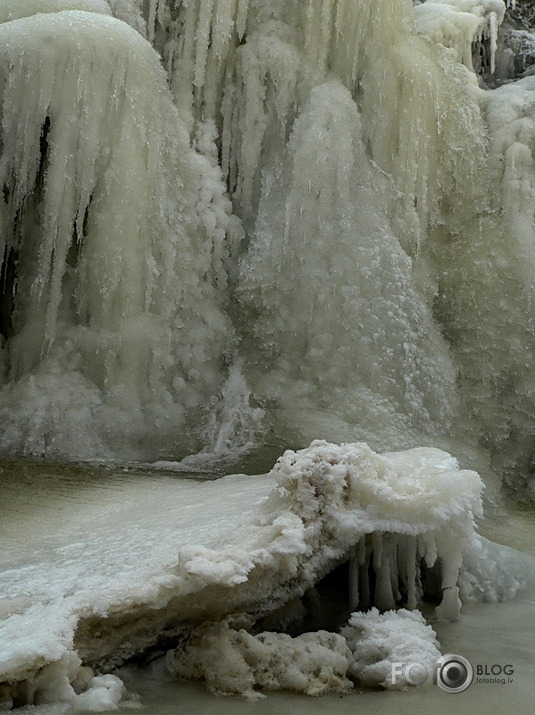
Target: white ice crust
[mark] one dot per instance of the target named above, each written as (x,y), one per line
(459,24)
(17,9)
(239,545)
(232,661)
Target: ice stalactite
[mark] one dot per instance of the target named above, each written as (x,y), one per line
(113,234)
(463,24)
(392,553)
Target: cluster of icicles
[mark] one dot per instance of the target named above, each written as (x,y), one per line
(211,242)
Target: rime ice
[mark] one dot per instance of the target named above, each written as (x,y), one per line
(245,547)
(197,189)
(227,224)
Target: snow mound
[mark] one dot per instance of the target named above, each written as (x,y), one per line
(232,661)
(379,640)
(66,681)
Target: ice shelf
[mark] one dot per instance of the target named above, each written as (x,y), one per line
(121,573)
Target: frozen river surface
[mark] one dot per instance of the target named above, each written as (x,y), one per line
(68,533)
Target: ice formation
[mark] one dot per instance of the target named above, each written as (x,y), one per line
(118,323)
(236,223)
(242,206)
(233,661)
(379,640)
(247,547)
(459,24)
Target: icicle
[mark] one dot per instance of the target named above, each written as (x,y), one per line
(409,553)
(493,37)
(393,542)
(451,561)
(354,567)
(241,17)
(427,549)
(377,550)
(151,24)
(202,40)
(364,583)
(384,598)
(317,29)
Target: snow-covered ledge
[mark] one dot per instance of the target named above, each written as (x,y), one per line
(238,548)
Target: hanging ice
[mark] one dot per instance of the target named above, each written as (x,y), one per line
(113,234)
(459,24)
(360,291)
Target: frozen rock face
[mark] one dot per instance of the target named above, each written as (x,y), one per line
(523,13)
(113,232)
(244,211)
(519,40)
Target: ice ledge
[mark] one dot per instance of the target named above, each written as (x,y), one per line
(391,516)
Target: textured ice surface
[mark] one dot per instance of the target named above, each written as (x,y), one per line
(459,24)
(17,9)
(119,573)
(378,640)
(117,228)
(238,203)
(234,661)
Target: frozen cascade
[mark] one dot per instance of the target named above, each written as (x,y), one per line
(114,292)
(275,105)
(324,191)
(233,223)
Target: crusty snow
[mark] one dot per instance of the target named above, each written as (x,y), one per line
(172,554)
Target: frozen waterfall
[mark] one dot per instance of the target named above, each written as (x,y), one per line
(234,228)
(306,197)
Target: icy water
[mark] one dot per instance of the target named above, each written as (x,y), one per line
(46,508)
